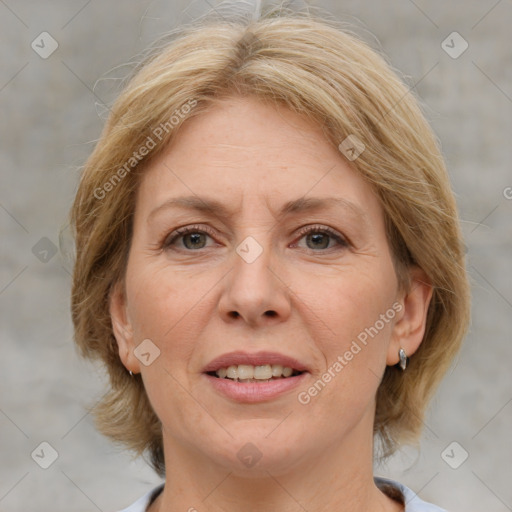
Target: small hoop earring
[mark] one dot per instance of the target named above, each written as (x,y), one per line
(403,359)
(131,373)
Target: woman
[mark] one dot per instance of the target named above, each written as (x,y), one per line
(269,263)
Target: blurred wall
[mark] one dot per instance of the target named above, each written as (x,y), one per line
(51,115)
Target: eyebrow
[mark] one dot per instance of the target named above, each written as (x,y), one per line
(300,205)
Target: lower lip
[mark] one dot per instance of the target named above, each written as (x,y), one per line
(250,392)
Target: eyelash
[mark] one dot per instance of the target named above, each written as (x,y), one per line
(169,240)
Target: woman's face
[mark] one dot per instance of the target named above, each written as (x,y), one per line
(285,264)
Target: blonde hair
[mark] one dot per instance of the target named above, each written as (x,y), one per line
(320,70)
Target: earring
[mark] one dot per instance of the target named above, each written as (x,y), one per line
(403,359)
(131,373)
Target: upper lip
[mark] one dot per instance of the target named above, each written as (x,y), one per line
(255,359)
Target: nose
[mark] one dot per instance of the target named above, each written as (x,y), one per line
(255,291)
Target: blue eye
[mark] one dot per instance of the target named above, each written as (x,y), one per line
(194,238)
(320,237)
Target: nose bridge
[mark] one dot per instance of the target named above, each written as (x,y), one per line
(253,259)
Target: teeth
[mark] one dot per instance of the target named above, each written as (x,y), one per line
(277,370)
(249,373)
(263,372)
(254,380)
(245,371)
(232,372)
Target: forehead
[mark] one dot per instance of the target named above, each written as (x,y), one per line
(243,151)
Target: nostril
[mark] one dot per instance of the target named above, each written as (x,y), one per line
(270,313)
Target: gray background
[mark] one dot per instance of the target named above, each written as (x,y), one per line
(51,115)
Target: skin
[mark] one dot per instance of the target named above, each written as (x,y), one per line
(305,296)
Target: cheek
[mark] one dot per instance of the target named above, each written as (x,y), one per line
(360,318)
(165,307)
(151,302)
(357,308)
(168,307)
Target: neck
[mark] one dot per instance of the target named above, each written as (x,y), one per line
(339,478)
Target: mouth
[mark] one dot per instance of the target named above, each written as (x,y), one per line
(255,373)
(260,377)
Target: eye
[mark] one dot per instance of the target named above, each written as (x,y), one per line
(193,237)
(320,237)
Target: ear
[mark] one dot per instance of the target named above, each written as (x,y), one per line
(122,328)
(410,324)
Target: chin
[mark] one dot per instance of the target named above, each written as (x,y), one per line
(253,455)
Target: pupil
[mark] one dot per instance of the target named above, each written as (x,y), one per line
(194,238)
(318,237)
